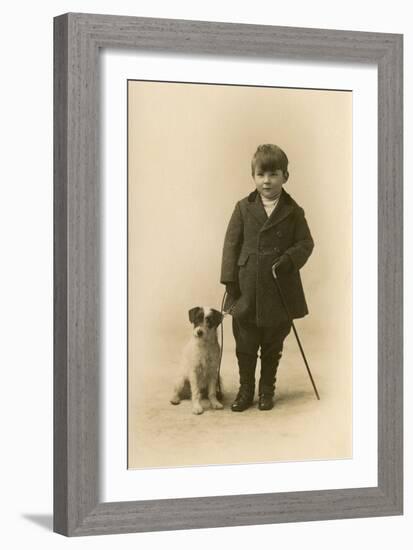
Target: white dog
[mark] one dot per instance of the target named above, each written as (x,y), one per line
(200,361)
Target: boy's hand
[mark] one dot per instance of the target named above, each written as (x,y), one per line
(283,264)
(233,290)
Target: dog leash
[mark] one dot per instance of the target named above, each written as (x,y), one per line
(219,390)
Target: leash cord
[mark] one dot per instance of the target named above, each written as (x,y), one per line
(222,344)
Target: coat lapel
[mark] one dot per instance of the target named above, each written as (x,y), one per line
(257,209)
(281,211)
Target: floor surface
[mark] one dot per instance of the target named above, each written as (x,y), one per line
(299,427)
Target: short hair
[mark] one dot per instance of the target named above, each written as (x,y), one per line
(270,157)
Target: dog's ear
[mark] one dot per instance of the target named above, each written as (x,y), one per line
(216,317)
(192,313)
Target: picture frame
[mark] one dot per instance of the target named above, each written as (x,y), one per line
(78,38)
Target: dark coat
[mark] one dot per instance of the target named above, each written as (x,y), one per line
(253,242)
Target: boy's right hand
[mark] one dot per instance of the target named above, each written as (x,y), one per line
(233,289)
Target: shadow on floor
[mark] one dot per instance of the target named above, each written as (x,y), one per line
(294,396)
(43,520)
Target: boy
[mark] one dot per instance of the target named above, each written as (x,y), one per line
(267,229)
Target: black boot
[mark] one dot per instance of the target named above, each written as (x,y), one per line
(266,388)
(245,396)
(244,399)
(266,399)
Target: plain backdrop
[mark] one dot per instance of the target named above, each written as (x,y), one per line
(26,274)
(185,177)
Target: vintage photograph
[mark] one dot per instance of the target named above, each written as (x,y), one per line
(239,274)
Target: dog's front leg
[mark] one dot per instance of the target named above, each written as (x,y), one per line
(212,394)
(196,395)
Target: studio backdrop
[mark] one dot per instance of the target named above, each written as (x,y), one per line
(189,162)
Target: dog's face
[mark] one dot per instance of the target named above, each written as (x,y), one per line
(204,319)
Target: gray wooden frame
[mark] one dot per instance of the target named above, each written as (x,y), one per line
(77,506)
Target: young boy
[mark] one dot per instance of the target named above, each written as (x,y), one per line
(267,229)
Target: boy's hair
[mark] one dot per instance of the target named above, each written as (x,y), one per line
(270,157)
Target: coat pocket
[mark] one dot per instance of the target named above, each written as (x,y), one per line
(243,259)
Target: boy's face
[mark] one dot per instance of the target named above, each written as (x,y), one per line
(269,182)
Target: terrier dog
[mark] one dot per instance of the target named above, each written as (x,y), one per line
(200,361)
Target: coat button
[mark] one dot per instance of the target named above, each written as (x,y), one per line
(279,233)
(276,249)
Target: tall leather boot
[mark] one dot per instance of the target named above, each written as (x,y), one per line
(245,396)
(271,350)
(266,387)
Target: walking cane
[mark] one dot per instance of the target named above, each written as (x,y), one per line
(274,274)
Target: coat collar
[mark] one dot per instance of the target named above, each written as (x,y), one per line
(282,210)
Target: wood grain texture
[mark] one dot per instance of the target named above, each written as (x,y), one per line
(77,506)
(60,486)
(390,273)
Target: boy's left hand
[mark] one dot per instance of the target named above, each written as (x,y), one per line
(283,264)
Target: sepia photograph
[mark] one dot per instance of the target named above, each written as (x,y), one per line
(239,274)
